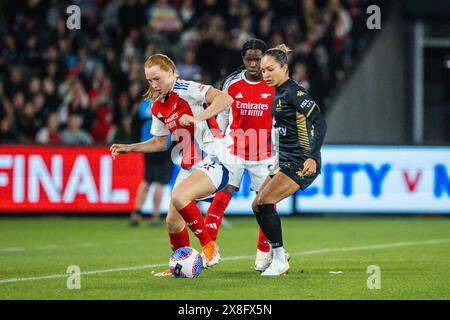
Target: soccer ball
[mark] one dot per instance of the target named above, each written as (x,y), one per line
(186,262)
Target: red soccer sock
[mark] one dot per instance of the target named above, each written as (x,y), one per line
(214,216)
(263,242)
(193,217)
(179,240)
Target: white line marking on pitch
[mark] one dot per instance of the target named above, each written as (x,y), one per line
(11,249)
(76,245)
(308,252)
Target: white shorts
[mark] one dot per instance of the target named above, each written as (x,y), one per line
(258,170)
(216,171)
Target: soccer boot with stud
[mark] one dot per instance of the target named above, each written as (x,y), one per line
(277,268)
(264,259)
(210,254)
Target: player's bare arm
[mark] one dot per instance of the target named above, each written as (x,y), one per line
(217,100)
(155,144)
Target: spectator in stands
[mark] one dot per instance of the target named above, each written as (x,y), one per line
(15,82)
(18,102)
(52,100)
(77,72)
(357,15)
(188,69)
(50,133)
(34,86)
(264,27)
(7,132)
(131,16)
(8,52)
(300,74)
(25,123)
(122,107)
(187,12)
(311,14)
(341,26)
(74,96)
(163,17)
(100,90)
(73,134)
(103,129)
(40,109)
(124,133)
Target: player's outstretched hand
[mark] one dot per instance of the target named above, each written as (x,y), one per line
(186,120)
(117,149)
(309,167)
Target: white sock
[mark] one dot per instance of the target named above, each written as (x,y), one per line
(278,254)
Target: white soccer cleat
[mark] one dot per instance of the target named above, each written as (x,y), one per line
(263,260)
(277,268)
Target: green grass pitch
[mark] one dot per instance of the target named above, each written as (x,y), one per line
(117,261)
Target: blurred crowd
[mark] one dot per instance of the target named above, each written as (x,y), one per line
(61,86)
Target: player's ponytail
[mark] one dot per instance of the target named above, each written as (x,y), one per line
(279,53)
(165,63)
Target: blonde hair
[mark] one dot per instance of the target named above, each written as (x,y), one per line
(283,48)
(165,63)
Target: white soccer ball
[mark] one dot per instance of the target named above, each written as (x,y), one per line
(186,262)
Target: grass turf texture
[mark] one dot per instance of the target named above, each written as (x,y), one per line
(411,268)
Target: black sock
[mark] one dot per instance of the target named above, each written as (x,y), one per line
(258,218)
(270,223)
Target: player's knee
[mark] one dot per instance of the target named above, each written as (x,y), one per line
(255,206)
(179,199)
(263,198)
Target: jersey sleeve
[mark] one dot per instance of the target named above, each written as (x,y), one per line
(158,127)
(197,91)
(302,101)
(320,128)
(223,119)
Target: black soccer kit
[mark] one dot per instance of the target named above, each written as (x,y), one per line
(300,128)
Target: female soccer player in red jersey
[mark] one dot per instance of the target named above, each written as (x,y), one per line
(248,122)
(180,108)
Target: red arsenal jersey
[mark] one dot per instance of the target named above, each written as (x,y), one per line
(249,122)
(186,97)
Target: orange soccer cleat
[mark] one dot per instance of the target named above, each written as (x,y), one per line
(211,253)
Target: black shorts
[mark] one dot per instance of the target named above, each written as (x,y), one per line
(294,171)
(158,169)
